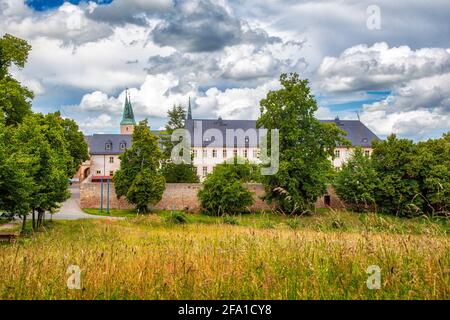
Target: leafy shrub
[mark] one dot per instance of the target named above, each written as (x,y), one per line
(267,224)
(227,219)
(177,217)
(223,191)
(293,223)
(179,173)
(356,182)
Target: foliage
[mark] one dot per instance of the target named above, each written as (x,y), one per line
(77,146)
(305,145)
(15,182)
(356,181)
(176,173)
(139,178)
(179,173)
(15,99)
(433,161)
(177,217)
(227,219)
(42,138)
(398,173)
(223,191)
(177,116)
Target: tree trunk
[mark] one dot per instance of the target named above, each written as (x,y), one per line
(34,220)
(24,222)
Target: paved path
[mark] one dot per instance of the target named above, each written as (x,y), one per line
(70,210)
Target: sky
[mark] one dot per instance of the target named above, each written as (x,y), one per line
(386,62)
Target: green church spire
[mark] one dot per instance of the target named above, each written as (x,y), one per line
(189,114)
(127,115)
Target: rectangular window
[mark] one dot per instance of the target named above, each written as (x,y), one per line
(99,172)
(111,173)
(367,153)
(337,153)
(111,159)
(214,153)
(205,171)
(235,153)
(204,153)
(255,153)
(224,153)
(245,153)
(195,153)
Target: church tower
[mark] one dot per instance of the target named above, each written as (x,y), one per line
(127,124)
(189,113)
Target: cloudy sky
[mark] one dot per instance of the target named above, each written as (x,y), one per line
(227,54)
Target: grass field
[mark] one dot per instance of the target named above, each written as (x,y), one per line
(255,257)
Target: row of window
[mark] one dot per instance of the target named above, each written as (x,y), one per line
(214,153)
(109,145)
(337,153)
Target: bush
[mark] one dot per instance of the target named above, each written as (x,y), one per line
(267,224)
(177,217)
(179,173)
(223,191)
(293,223)
(230,220)
(356,182)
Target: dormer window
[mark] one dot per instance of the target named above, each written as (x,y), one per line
(123,145)
(108,145)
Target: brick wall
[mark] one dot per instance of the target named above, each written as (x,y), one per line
(178,196)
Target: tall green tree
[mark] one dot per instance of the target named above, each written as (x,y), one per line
(139,179)
(176,118)
(77,146)
(15,99)
(398,191)
(16,184)
(43,139)
(433,161)
(305,145)
(356,181)
(176,173)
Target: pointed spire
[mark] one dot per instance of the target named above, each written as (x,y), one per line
(189,114)
(127,115)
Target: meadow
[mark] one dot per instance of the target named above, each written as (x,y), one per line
(257,256)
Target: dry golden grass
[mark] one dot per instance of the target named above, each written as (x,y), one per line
(147,259)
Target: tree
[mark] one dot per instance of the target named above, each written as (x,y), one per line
(179,173)
(398,191)
(356,182)
(16,183)
(433,161)
(139,179)
(305,145)
(77,146)
(223,191)
(177,116)
(15,100)
(42,138)
(176,173)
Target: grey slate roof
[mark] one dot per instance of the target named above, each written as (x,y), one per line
(98,143)
(210,126)
(357,132)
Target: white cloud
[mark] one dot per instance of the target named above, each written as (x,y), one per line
(379,67)
(97,124)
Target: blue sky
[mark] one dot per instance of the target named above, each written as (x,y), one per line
(226,55)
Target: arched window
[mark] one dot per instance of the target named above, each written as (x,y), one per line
(123,145)
(108,145)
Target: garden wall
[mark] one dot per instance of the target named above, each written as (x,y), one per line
(178,196)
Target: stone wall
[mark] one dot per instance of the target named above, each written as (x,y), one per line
(178,196)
